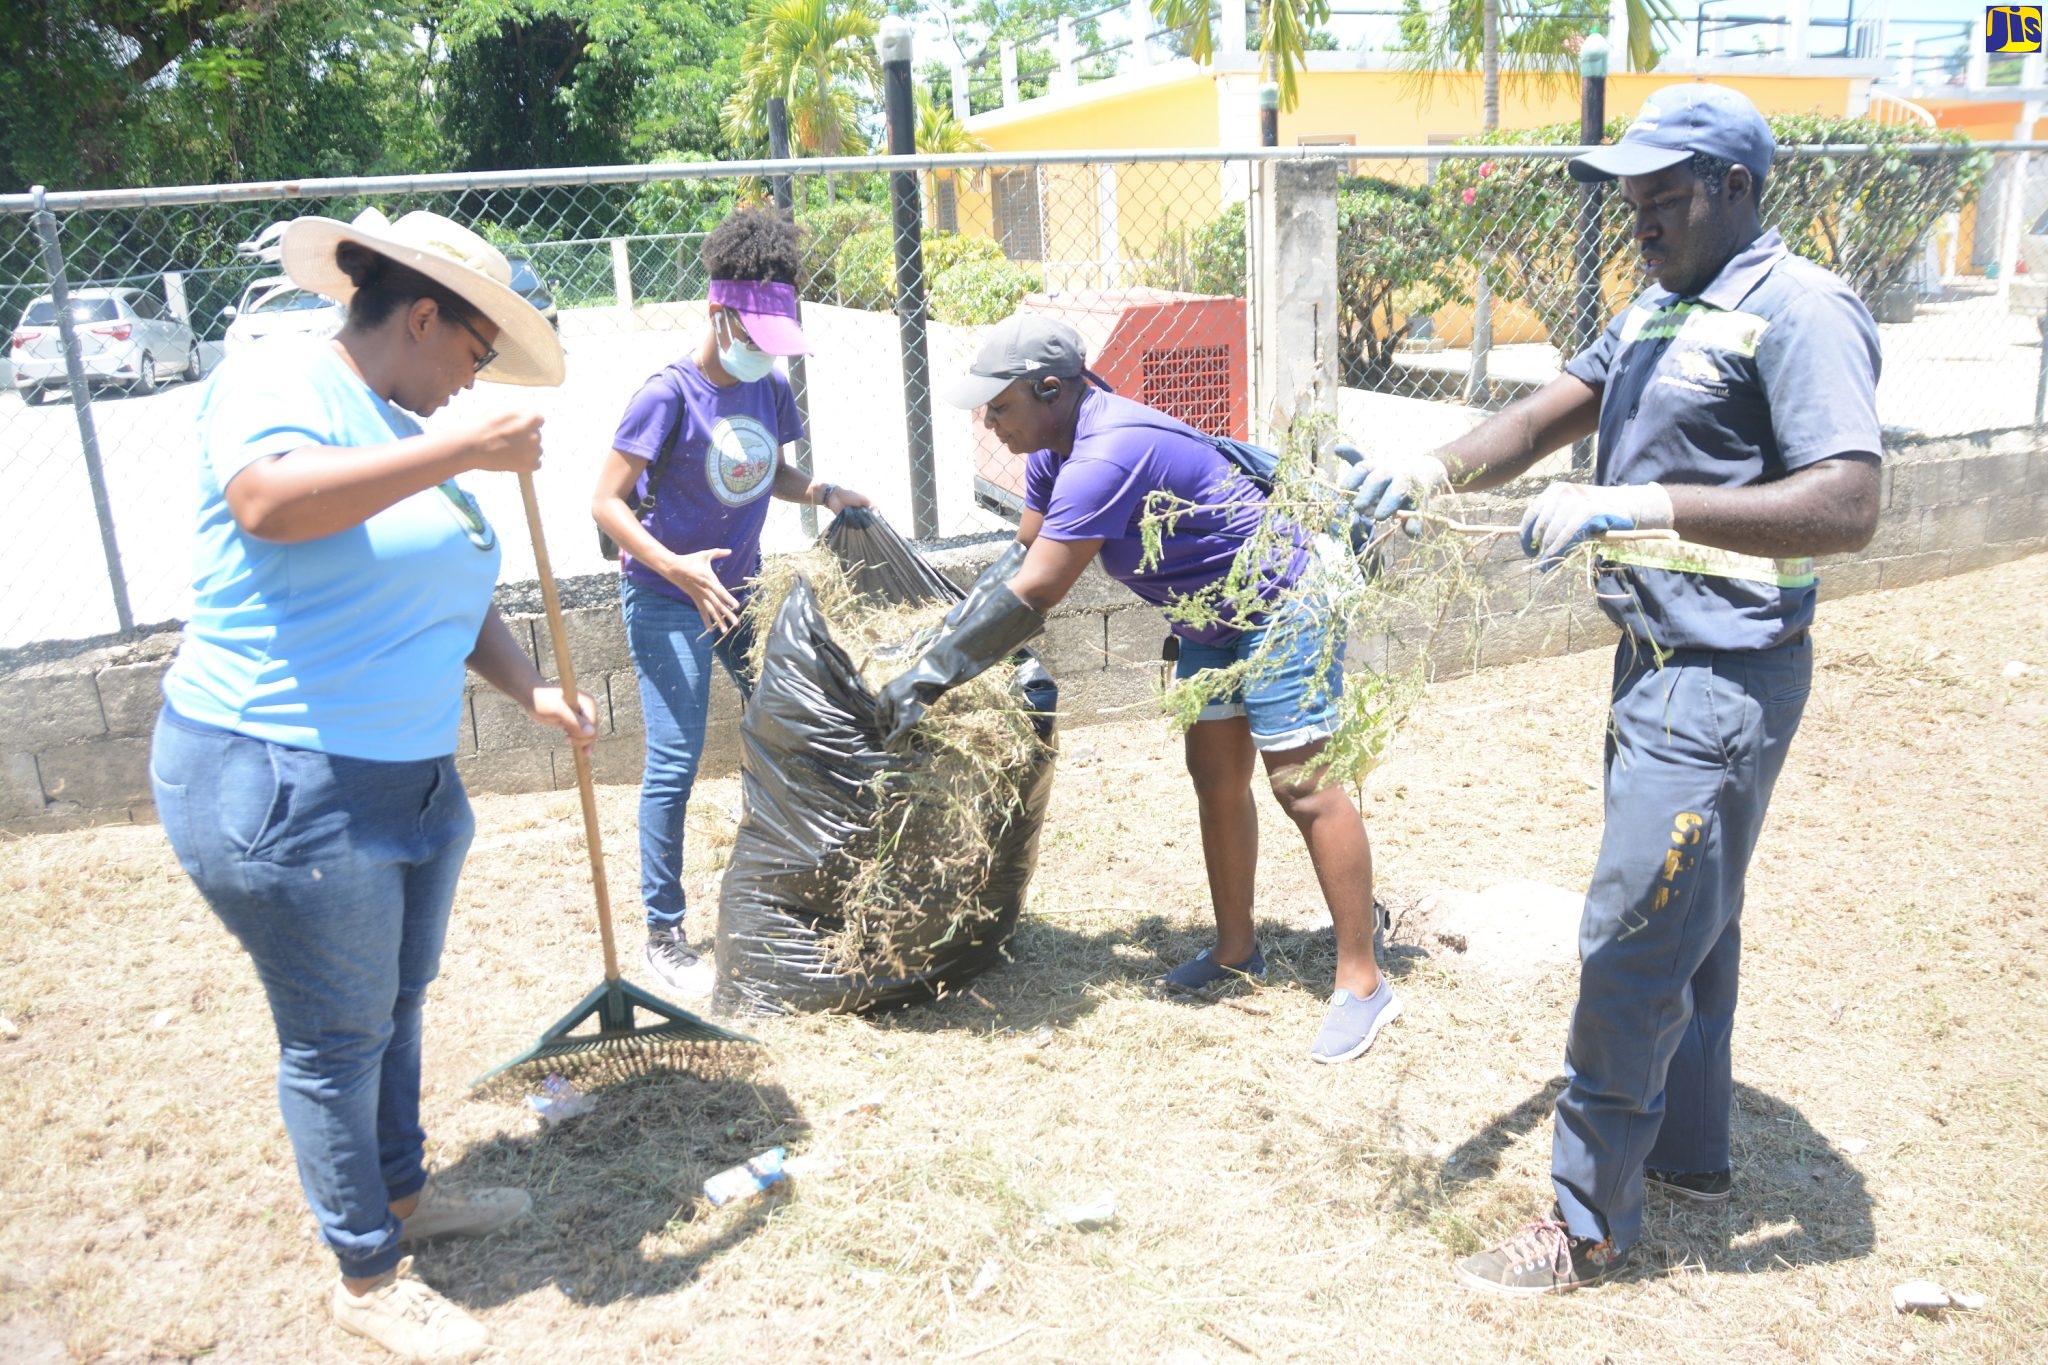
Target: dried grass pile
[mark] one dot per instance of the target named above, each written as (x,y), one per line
(940,864)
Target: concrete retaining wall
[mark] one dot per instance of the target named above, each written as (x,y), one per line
(74,731)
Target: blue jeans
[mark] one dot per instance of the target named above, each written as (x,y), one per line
(1693,751)
(1292,700)
(336,874)
(672,655)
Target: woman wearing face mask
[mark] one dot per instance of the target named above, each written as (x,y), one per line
(684,491)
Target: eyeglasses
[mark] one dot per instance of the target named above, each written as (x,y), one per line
(468,515)
(490,351)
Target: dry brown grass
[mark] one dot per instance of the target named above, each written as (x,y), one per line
(1269,1209)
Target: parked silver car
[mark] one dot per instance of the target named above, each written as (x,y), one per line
(273,305)
(125,337)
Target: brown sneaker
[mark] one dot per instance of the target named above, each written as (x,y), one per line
(1543,1258)
(408,1319)
(443,1212)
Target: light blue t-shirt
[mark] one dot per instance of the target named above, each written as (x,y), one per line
(352,644)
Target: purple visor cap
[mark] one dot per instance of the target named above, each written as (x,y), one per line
(767,310)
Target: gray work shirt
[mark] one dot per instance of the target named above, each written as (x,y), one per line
(1771,368)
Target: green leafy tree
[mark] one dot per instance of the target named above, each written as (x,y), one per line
(1287,33)
(1541,36)
(141,92)
(939,132)
(1394,268)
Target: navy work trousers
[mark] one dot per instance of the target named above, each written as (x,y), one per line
(1694,747)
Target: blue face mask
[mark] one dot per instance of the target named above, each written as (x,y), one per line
(742,360)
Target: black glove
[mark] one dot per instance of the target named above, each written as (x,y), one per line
(979,633)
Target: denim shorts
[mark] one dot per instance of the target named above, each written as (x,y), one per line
(1283,700)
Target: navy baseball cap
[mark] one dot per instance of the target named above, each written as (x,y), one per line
(1678,121)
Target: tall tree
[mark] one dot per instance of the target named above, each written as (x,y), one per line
(1288,32)
(819,56)
(1453,37)
(138,92)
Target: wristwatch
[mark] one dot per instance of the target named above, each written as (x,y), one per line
(825,492)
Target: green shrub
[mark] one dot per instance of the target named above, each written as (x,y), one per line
(1863,216)
(825,230)
(1207,258)
(980,289)
(1394,268)
(1860,215)
(864,270)
(864,273)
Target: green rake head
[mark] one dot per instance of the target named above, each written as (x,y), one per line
(601,1039)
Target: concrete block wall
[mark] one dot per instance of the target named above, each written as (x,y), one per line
(74,731)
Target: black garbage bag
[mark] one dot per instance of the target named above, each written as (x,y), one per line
(817,783)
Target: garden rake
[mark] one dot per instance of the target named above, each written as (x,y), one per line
(601,1035)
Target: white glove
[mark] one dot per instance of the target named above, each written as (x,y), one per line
(1384,484)
(1566,513)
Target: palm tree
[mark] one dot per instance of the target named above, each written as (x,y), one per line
(1284,28)
(938,131)
(819,55)
(1539,42)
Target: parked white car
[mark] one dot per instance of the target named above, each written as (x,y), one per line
(125,337)
(274,304)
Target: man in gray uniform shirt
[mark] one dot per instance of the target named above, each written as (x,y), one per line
(1736,406)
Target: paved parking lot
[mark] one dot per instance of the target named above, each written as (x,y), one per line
(55,578)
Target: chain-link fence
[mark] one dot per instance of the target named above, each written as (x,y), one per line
(1145,253)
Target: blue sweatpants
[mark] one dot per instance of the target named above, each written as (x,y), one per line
(1693,750)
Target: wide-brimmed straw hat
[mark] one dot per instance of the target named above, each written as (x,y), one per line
(451,256)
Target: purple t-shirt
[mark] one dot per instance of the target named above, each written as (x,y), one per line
(712,491)
(1100,490)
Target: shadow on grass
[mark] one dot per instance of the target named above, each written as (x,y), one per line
(1797,1200)
(618,1208)
(1057,975)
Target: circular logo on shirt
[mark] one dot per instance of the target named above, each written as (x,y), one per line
(740,463)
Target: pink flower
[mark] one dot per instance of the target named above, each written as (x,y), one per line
(1485,168)
(1470,195)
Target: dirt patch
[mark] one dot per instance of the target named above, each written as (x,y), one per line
(1889,1060)
(1513,929)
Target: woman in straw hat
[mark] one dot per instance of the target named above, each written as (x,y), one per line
(303,762)
(684,491)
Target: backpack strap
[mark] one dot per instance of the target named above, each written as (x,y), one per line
(659,463)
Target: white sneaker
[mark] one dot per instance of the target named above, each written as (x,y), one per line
(677,967)
(443,1212)
(408,1319)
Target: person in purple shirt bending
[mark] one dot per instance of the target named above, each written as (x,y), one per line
(684,492)
(1093,461)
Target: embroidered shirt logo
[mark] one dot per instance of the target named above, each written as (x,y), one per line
(739,462)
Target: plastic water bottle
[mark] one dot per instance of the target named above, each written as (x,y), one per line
(746,1181)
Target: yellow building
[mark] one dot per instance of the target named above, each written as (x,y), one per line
(1097,225)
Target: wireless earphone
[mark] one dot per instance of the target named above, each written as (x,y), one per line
(1046,390)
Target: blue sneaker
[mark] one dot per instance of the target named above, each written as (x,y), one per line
(1203,973)
(1352,1023)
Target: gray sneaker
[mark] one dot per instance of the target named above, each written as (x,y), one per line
(677,966)
(446,1212)
(1353,1022)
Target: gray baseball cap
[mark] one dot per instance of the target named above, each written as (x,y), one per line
(1677,121)
(1022,346)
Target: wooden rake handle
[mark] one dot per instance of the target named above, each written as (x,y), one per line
(566,670)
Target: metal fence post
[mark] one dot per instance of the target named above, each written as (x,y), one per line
(783,191)
(907,218)
(81,403)
(1586,230)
